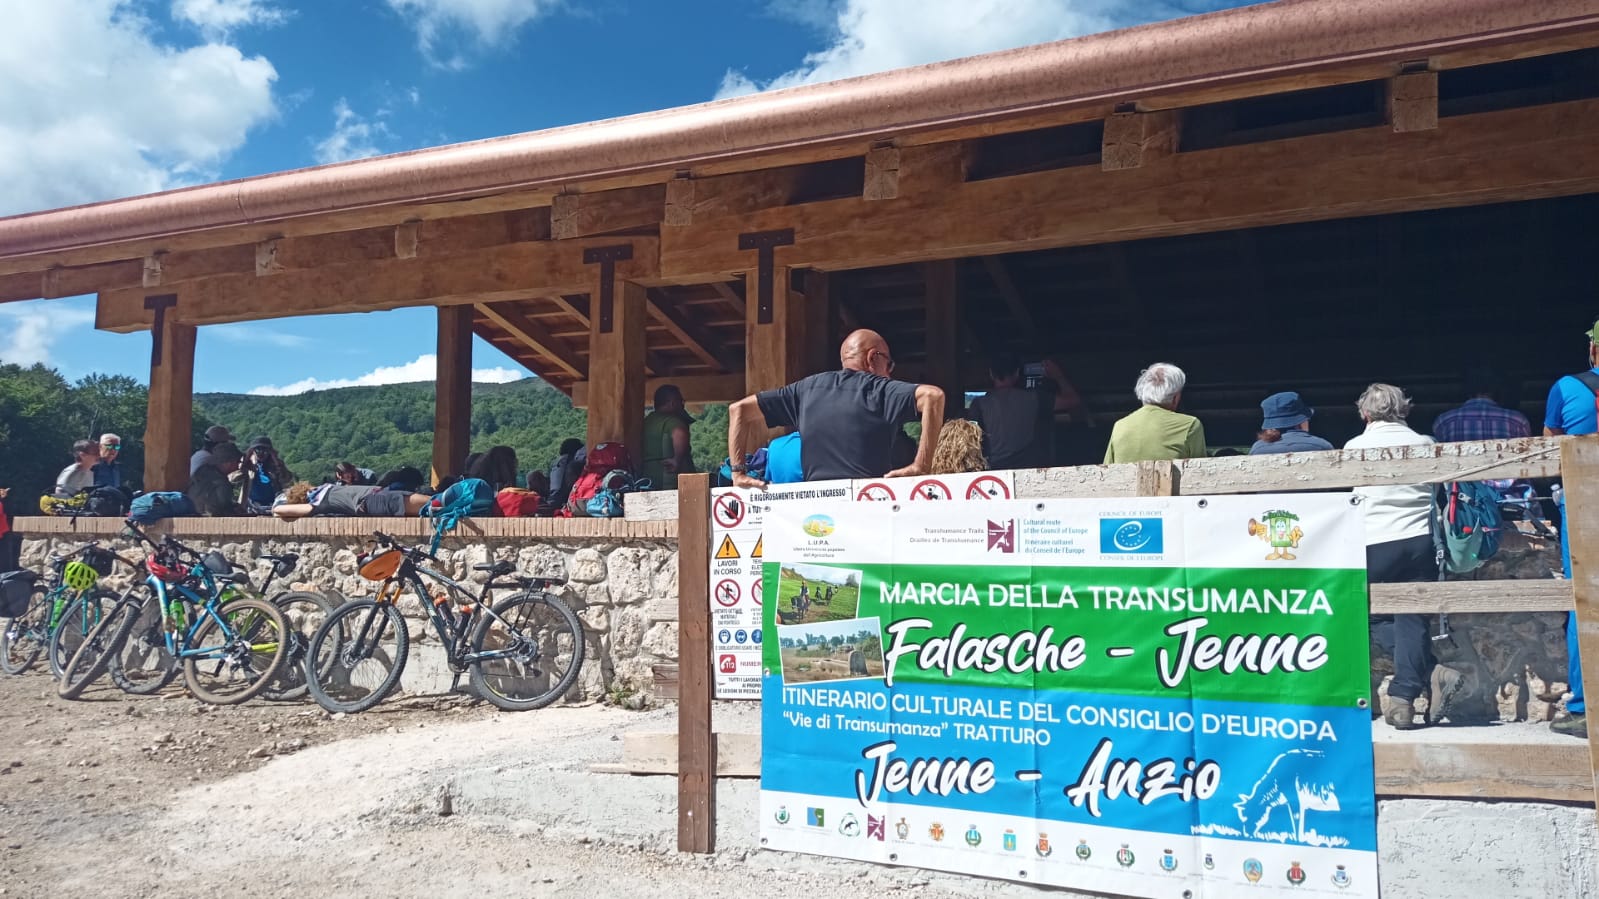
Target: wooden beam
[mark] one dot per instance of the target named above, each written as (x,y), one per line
(452,405)
(1579,474)
(1435,597)
(1413,101)
(575,306)
(1133,139)
(576,215)
(1512,154)
(693,335)
(679,203)
(769,357)
(616,366)
(1159,478)
(1546,771)
(170,406)
(696,747)
(882,174)
(486,275)
(942,307)
(729,292)
(696,388)
(533,334)
(999,273)
(405,239)
(821,345)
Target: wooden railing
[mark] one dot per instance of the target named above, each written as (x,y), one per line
(1439,762)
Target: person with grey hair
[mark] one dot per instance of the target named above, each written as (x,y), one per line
(1157,430)
(1399,549)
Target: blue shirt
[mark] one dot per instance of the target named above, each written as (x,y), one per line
(1571,407)
(1293,441)
(783,460)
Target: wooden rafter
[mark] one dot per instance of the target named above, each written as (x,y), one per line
(726,289)
(999,273)
(535,335)
(694,335)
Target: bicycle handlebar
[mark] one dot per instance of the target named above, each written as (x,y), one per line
(412,552)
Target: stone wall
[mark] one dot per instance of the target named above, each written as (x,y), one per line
(621,581)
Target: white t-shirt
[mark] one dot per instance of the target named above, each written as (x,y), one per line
(1394,513)
(74,478)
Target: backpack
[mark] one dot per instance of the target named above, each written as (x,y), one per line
(466,498)
(149,507)
(600,496)
(1470,523)
(514,502)
(16,587)
(607,457)
(107,502)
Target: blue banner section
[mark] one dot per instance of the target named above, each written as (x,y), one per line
(1272,773)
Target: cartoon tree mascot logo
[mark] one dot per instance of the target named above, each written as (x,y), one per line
(1280,529)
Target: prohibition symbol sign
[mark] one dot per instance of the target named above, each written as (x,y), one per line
(726,593)
(876,491)
(728,510)
(755,591)
(931,489)
(987,487)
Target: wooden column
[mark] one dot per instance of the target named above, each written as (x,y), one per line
(821,350)
(452,404)
(773,351)
(1579,476)
(696,744)
(169,422)
(616,364)
(943,336)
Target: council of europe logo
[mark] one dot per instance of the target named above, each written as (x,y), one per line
(1123,536)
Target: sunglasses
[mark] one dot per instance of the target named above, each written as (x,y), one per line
(111,446)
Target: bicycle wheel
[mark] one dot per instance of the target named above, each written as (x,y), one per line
(356,657)
(25,636)
(535,644)
(94,653)
(305,612)
(233,659)
(142,664)
(77,619)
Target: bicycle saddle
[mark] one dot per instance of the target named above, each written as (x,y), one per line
(497,569)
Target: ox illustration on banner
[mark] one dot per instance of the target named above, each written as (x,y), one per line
(1132,681)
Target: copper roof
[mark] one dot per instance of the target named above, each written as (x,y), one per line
(1249,43)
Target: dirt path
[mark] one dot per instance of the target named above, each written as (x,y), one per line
(162,796)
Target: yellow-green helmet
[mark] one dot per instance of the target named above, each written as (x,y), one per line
(79,576)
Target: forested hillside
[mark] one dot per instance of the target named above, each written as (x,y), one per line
(375,427)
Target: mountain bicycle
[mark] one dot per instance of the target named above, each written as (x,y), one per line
(61,611)
(143,664)
(229,652)
(523,652)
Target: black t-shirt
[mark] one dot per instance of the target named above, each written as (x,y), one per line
(846,419)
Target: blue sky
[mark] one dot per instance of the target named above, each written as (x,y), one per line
(123,97)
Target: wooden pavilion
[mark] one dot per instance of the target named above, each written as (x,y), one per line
(1308,193)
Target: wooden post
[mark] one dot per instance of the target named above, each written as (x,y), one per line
(771,349)
(452,403)
(170,416)
(616,366)
(821,349)
(943,335)
(1159,478)
(1579,476)
(696,745)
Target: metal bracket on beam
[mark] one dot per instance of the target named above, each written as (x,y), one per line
(159,305)
(607,257)
(766,244)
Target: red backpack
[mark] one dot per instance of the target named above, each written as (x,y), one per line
(514,502)
(602,460)
(607,457)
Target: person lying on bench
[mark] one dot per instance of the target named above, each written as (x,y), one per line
(347,499)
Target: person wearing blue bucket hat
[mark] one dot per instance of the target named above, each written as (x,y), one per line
(1285,426)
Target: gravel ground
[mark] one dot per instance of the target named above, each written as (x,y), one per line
(429,797)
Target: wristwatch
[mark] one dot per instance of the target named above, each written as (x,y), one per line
(739,467)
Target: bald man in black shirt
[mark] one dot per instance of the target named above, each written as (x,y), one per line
(847,419)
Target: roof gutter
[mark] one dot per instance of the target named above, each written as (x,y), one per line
(1236,45)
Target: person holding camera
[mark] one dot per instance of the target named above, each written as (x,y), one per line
(1017,414)
(264,476)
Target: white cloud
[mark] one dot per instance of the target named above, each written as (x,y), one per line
(257,334)
(876,35)
(353,135)
(216,18)
(33,328)
(95,107)
(423,368)
(466,24)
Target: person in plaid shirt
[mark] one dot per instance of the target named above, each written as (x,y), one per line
(1481,417)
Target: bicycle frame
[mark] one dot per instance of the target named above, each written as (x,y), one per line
(453,628)
(178,634)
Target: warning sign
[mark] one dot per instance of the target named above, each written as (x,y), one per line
(728,510)
(755,593)
(988,487)
(726,592)
(727,550)
(759,542)
(876,491)
(931,489)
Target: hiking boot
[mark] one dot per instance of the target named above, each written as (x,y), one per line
(1570,725)
(1453,689)
(1401,714)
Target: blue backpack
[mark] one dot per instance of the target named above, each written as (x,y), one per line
(466,498)
(1471,525)
(149,507)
